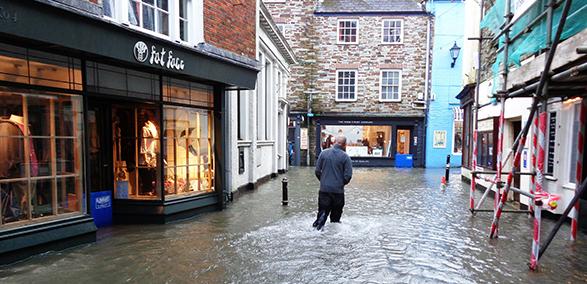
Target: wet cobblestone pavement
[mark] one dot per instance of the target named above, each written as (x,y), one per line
(397,227)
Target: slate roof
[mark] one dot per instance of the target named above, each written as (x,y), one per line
(368,6)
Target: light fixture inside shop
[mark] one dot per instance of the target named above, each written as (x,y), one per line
(454,53)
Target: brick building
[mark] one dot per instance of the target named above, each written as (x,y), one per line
(364,68)
(115,107)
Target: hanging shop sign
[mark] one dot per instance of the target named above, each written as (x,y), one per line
(157,56)
(304,138)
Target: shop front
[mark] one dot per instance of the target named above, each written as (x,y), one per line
(111,111)
(374,141)
(151,143)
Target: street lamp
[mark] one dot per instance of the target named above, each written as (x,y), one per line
(454,53)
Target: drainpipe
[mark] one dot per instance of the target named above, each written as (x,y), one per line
(427,75)
(227,145)
(426,89)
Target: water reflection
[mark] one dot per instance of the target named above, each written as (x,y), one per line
(397,227)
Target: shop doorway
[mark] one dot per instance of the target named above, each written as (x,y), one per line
(517,128)
(99,144)
(403,138)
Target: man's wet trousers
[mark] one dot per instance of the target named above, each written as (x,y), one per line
(329,204)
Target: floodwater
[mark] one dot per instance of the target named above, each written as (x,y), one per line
(397,227)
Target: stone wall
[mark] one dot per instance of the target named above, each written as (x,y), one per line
(313,38)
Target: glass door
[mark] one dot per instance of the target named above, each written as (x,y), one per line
(99,147)
(403,141)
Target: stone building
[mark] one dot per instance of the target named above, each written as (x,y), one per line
(364,71)
(115,110)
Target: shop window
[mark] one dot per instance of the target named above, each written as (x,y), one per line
(390,85)
(551,143)
(118,81)
(136,150)
(348,31)
(362,140)
(485,157)
(152,15)
(189,153)
(457,137)
(41,154)
(346,85)
(189,93)
(392,31)
(27,66)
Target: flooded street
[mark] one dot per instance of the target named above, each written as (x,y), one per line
(397,227)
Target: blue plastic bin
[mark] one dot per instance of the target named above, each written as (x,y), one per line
(404,160)
(101,208)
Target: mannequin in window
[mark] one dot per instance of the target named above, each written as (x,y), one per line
(12,158)
(148,153)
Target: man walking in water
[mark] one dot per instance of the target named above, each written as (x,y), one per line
(334,170)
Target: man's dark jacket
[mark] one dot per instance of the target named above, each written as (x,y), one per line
(334,170)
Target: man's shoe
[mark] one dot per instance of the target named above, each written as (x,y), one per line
(315,224)
(321,221)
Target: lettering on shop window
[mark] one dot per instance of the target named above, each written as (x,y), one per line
(7,16)
(161,57)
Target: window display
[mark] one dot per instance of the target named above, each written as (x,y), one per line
(362,140)
(136,152)
(40,154)
(457,139)
(189,158)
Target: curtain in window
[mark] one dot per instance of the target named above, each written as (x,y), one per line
(108,7)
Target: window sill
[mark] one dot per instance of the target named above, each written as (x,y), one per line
(265,143)
(345,101)
(244,143)
(569,186)
(390,101)
(392,43)
(550,178)
(347,43)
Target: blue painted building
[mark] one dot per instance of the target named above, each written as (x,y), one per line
(444,123)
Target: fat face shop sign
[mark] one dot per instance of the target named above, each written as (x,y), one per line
(156,56)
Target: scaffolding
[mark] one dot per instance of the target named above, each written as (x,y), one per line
(530,32)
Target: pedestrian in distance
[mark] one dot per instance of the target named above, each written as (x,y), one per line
(334,170)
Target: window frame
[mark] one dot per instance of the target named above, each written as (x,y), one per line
(156,9)
(399,91)
(194,13)
(401,41)
(356,72)
(554,172)
(453,136)
(338,41)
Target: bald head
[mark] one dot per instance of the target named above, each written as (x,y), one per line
(341,140)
